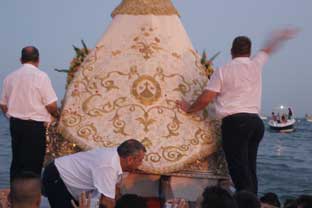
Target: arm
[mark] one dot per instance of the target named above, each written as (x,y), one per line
(52,109)
(106,202)
(4,99)
(278,38)
(4,108)
(118,192)
(48,95)
(201,102)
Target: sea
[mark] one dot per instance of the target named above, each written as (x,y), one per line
(284,160)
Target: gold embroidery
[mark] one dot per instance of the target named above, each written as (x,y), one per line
(152,157)
(176,55)
(173,153)
(146,90)
(173,127)
(144,44)
(119,125)
(147,142)
(145,121)
(109,85)
(203,136)
(70,119)
(146,7)
(87,131)
(116,53)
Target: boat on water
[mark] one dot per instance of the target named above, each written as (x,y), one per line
(282,120)
(308,118)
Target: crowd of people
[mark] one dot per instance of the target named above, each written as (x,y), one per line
(26,193)
(29,101)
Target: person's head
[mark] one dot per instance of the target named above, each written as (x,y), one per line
(241,47)
(131,153)
(131,200)
(290,203)
(25,190)
(304,201)
(216,197)
(30,54)
(270,199)
(246,199)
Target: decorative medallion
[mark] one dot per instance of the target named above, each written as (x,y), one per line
(146,90)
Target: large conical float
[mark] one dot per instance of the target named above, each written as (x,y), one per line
(127,87)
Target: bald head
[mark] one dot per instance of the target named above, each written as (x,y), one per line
(30,54)
(26,190)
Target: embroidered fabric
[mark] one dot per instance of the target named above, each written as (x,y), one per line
(146,7)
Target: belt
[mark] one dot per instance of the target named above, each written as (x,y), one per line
(29,120)
(237,115)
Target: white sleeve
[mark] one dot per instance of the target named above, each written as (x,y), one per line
(260,58)
(105,179)
(47,92)
(4,96)
(215,83)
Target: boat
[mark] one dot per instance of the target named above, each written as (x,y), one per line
(282,120)
(308,118)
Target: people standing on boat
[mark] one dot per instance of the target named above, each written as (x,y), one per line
(274,118)
(278,118)
(283,118)
(290,113)
(28,100)
(236,90)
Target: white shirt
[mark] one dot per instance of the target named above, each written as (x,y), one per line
(26,92)
(95,171)
(239,85)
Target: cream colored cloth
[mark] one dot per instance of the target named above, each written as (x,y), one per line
(127,88)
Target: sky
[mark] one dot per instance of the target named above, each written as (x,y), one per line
(54,26)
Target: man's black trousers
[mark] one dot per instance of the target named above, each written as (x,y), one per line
(28,146)
(241,135)
(55,189)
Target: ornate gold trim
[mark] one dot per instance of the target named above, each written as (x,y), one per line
(145,7)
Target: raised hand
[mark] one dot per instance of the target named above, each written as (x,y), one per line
(84,201)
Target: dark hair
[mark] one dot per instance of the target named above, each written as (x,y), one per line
(129,148)
(241,46)
(270,198)
(246,199)
(216,197)
(25,188)
(290,203)
(131,201)
(30,54)
(304,201)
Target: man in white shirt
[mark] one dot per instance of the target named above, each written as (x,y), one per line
(94,172)
(236,90)
(29,101)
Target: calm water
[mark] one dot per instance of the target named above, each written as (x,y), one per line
(284,162)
